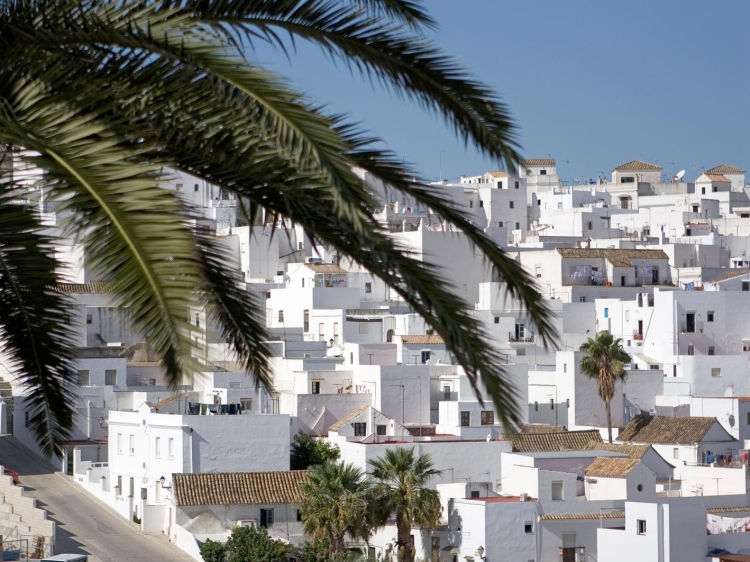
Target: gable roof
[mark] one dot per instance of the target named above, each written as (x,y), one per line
(608,467)
(325,268)
(725,169)
(617,257)
(633,451)
(576,516)
(637,166)
(718,178)
(238,488)
(537,162)
(731,275)
(541,428)
(496,174)
(561,441)
(422,339)
(346,419)
(667,430)
(92,287)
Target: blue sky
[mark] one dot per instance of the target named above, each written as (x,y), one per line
(594,82)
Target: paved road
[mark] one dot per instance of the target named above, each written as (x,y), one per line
(84,525)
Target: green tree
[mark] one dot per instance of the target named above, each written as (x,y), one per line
(107,97)
(252,544)
(605,363)
(308,451)
(336,503)
(400,490)
(213,551)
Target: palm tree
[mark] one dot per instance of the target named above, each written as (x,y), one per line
(604,362)
(110,97)
(400,490)
(336,500)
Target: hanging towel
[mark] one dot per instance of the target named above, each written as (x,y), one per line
(204,409)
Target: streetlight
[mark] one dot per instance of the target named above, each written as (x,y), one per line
(162,480)
(480,552)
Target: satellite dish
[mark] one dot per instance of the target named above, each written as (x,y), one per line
(679,175)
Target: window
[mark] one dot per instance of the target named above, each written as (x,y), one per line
(748,418)
(715,189)
(565,367)
(316,387)
(471,204)
(551,403)
(691,350)
(676,453)
(488,417)
(306,321)
(516,185)
(536,406)
(589,225)
(170,448)
(110,377)
(512,205)
(119,443)
(475,493)
(481,203)
(543,172)
(582,298)
(157,447)
(132,487)
(654,367)
(336,332)
(497,319)
(381,429)
(710,316)
(299,515)
(89,319)
(711,350)
(368,287)
(84,378)
(500,224)
(360,429)
(266,518)
(425,357)
(641,526)
(528,527)
(180,189)
(465,419)
(746,285)
(518,226)
(715,371)
(627,316)
(557,491)
(119,484)
(157,492)
(281,315)
(321,332)
(364,327)
(538,271)
(195,187)
(247,404)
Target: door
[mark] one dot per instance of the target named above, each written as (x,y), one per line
(622,280)
(640,327)
(446,392)
(655,276)
(465,419)
(568,547)
(520,332)
(690,322)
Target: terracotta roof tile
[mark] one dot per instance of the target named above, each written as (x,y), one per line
(576,516)
(343,421)
(667,430)
(731,275)
(325,268)
(562,441)
(633,451)
(422,339)
(496,174)
(92,287)
(608,467)
(741,509)
(537,162)
(725,169)
(617,257)
(237,488)
(541,428)
(637,166)
(717,178)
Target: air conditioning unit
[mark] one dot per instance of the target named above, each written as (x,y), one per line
(249,523)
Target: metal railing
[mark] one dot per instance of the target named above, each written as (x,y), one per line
(525,337)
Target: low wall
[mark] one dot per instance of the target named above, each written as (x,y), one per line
(25,507)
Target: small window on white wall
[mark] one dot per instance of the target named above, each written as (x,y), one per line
(119,443)
(157,447)
(641,526)
(368,287)
(132,444)
(557,491)
(170,449)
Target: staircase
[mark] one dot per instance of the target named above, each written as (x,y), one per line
(6,393)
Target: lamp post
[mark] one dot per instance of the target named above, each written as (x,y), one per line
(480,552)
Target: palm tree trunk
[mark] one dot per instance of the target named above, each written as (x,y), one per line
(404,537)
(609,419)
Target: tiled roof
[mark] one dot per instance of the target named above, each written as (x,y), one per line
(575,516)
(237,488)
(731,275)
(538,162)
(637,166)
(181,396)
(325,268)
(667,430)
(741,509)
(725,169)
(617,257)
(92,287)
(541,428)
(496,174)
(717,178)
(608,467)
(425,340)
(633,451)
(562,441)
(343,421)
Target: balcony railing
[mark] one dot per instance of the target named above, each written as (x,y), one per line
(573,554)
(525,337)
(584,280)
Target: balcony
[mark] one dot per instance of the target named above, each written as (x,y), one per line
(582,280)
(520,339)
(573,554)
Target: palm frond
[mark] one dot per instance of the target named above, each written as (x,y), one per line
(36,339)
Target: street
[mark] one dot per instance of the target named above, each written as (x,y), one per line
(84,525)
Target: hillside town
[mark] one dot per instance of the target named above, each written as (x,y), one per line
(657,262)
